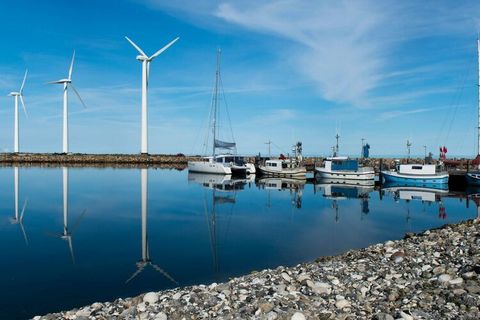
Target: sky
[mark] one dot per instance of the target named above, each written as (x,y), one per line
(292,71)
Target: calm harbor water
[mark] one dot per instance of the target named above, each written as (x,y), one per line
(79,235)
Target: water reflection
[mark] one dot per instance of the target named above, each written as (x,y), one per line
(18,219)
(338,190)
(293,186)
(146,261)
(211,228)
(67,233)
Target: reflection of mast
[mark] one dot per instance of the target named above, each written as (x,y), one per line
(18,219)
(68,233)
(145,261)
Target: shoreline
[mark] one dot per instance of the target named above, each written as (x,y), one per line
(430,275)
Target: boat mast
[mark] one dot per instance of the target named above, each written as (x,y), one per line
(478,97)
(215,101)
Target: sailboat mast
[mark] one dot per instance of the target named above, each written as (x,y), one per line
(478,97)
(215,101)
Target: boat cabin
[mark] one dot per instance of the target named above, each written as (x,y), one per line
(416,169)
(341,164)
(276,165)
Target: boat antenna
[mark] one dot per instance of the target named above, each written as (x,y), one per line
(337,136)
(409,144)
(363,144)
(215,101)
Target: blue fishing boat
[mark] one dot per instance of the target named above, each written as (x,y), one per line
(415,173)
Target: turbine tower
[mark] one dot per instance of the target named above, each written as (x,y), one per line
(68,232)
(142,57)
(146,261)
(18,218)
(67,83)
(17,95)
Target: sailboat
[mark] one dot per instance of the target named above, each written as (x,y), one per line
(220,163)
(473,177)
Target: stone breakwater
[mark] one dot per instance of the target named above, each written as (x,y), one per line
(432,275)
(32,159)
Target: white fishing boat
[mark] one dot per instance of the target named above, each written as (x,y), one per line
(286,168)
(344,168)
(337,167)
(220,163)
(415,174)
(473,177)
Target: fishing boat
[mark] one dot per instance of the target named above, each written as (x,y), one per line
(337,167)
(415,174)
(229,164)
(473,177)
(283,167)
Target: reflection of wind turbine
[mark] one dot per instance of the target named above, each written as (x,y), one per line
(145,76)
(17,95)
(67,83)
(18,219)
(67,232)
(145,249)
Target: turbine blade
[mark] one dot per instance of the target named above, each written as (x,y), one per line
(78,95)
(78,221)
(23,105)
(23,209)
(156,54)
(136,273)
(71,66)
(70,247)
(165,274)
(136,47)
(56,82)
(23,82)
(24,234)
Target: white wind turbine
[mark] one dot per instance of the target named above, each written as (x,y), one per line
(67,82)
(18,218)
(17,95)
(145,75)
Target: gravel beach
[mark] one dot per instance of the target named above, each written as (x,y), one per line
(431,275)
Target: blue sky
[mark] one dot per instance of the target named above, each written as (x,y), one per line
(292,70)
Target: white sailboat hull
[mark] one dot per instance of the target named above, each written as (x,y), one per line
(208,167)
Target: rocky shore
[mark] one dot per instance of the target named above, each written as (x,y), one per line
(432,275)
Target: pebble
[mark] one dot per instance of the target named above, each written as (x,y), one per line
(444,278)
(150,297)
(298,316)
(340,304)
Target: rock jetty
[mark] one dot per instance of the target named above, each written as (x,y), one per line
(431,275)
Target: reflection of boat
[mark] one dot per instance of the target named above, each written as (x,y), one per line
(218,182)
(344,168)
(294,186)
(219,164)
(403,192)
(338,189)
(415,173)
(367,183)
(146,261)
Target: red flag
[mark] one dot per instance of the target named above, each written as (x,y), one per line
(444,149)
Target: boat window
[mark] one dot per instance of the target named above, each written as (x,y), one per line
(228,159)
(272,164)
(284,165)
(417,167)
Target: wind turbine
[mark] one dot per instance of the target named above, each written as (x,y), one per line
(67,232)
(145,261)
(17,95)
(145,75)
(67,83)
(18,219)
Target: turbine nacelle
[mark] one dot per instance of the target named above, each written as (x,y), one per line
(142,58)
(13,94)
